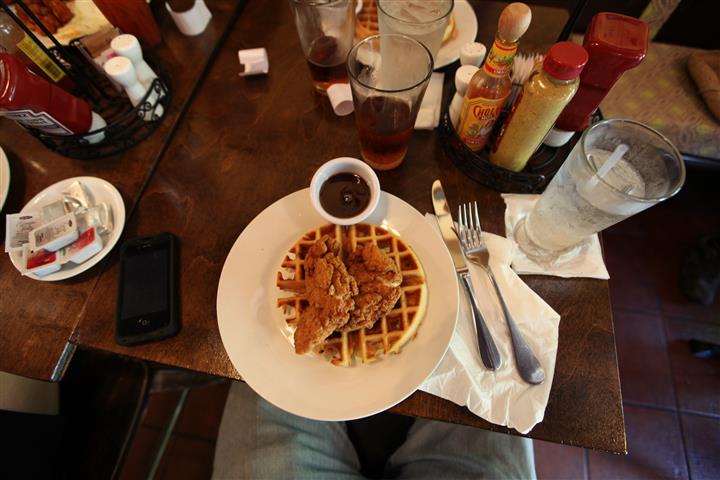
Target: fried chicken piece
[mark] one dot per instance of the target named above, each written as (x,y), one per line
(52,13)
(379,279)
(329,290)
(60,10)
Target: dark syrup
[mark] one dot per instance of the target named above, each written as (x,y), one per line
(344,195)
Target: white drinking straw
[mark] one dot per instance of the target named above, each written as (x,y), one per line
(612,160)
(614,157)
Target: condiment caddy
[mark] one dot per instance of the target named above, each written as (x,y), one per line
(533,179)
(97,117)
(497,139)
(473,160)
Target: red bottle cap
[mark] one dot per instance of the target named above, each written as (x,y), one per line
(565,60)
(618,35)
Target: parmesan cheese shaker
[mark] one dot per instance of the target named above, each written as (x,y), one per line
(544,96)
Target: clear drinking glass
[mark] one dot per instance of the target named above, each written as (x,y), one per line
(584,198)
(423,20)
(326,29)
(388,77)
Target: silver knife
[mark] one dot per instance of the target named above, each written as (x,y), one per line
(488,350)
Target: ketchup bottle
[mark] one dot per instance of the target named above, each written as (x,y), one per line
(615,43)
(490,87)
(15,41)
(36,103)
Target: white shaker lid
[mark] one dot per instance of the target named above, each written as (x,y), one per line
(121,70)
(557,138)
(96,123)
(340,96)
(472,53)
(128,46)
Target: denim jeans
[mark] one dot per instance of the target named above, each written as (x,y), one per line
(260,441)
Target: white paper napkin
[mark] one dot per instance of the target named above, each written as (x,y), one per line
(586,261)
(500,396)
(429,114)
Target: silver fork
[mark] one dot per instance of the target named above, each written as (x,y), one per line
(474,248)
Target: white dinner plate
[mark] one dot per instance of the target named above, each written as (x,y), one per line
(467,26)
(251,326)
(102,191)
(4,177)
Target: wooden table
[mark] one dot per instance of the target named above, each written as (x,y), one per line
(34,334)
(247,141)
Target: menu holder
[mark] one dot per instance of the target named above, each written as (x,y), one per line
(540,169)
(127,125)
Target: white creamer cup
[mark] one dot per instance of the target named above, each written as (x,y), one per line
(341,100)
(345,165)
(191,22)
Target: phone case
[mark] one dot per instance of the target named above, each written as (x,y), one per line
(173,326)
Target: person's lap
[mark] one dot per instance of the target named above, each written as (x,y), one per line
(258,440)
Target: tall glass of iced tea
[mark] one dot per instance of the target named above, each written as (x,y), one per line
(388,76)
(326,29)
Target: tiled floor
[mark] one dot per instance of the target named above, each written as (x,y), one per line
(189,453)
(672,399)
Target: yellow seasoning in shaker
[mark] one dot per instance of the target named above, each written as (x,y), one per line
(549,88)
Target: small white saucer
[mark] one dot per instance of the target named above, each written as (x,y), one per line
(102,191)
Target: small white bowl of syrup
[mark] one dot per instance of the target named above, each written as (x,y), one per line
(345,191)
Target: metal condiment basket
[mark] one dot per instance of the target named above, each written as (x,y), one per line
(126,125)
(541,167)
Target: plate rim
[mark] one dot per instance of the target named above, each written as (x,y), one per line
(475,22)
(228,327)
(5,176)
(118,221)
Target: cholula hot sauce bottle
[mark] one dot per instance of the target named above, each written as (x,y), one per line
(490,87)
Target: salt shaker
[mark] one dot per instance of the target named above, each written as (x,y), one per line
(462,79)
(472,53)
(471,57)
(127,45)
(121,70)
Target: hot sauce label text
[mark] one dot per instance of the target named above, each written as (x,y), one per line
(477,120)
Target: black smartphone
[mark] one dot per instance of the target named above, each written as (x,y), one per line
(147,297)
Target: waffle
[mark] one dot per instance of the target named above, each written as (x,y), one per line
(391,332)
(366,22)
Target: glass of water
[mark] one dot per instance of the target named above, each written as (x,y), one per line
(618,168)
(423,20)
